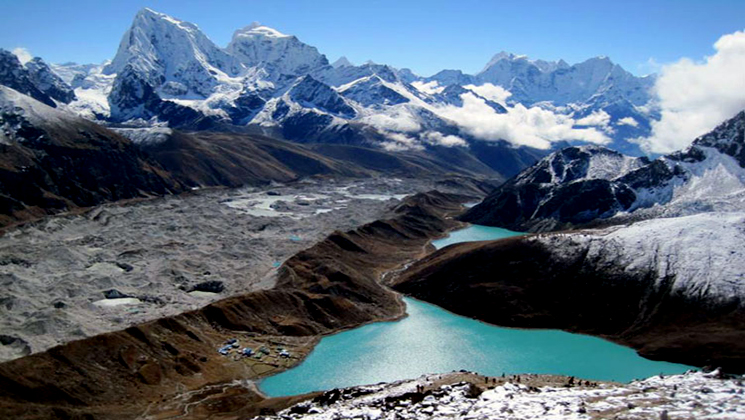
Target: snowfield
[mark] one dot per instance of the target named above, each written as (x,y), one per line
(693,395)
(704,253)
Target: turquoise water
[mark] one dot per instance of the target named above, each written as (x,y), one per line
(432,340)
(474,233)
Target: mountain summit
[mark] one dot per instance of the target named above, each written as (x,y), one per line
(258,45)
(173,54)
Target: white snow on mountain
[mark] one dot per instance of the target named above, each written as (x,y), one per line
(149,135)
(579,164)
(17,109)
(703,255)
(257,45)
(173,54)
(526,102)
(691,395)
(92,89)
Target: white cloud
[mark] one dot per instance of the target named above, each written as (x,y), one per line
(436,138)
(399,119)
(534,127)
(695,97)
(24,55)
(598,118)
(400,142)
(491,92)
(628,121)
(430,88)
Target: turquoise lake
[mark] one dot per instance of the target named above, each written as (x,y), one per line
(433,340)
(474,233)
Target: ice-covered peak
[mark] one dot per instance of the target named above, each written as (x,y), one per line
(258,45)
(342,62)
(597,79)
(373,91)
(310,93)
(146,14)
(256,28)
(504,56)
(163,49)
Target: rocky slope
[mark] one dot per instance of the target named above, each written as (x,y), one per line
(579,185)
(150,367)
(53,161)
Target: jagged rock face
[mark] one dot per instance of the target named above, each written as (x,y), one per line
(257,45)
(728,138)
(580,184)
(132,96)
(246,106)
(311,93)
(48,82)
(161,49)
(14,75)
(571,186)
(373,91)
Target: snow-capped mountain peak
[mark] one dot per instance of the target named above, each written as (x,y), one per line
(256,28)
(258,45)
(163,49)
(342,62)
(503,56)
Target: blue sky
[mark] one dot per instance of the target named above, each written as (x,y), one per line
(425,36)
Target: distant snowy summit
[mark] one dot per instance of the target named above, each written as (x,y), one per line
(167,71)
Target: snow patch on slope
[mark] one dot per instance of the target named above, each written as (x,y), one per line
(703,255)
(691,395)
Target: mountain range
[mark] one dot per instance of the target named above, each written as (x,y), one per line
(166,71)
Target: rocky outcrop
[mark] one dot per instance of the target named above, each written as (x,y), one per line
(48,82)
(14,75)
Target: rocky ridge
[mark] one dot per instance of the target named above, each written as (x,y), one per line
(579,185)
